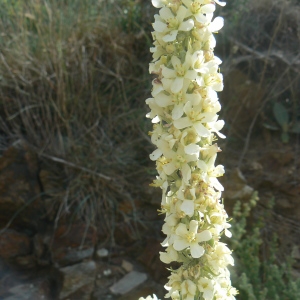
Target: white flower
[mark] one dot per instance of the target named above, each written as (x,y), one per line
(178,100)
(221,257)
(216,126)
(214,81)
(190,238)
(187,205)
(169,229)
(174,78)
(206,286)
(195,118)
(207,166)
(188,289)
(202,13)
(189,140)
(173,286)
(156,111)
(179,160)
(169,256)
(169,24)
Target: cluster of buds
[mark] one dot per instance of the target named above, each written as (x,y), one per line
(183,109)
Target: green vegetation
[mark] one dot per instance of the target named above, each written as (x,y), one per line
(258,274)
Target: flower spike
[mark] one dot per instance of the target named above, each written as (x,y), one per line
(184,111)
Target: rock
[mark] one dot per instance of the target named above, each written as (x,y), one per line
(20,203)
(128,283)
(127,266)
(26,262)
(107,272)
(102,252)
(78,281)
(13,243)
(28,284)
(73,243)
(41,251)
(16,250)
(42,287)
(29,291)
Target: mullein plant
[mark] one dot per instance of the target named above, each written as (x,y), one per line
(183,109)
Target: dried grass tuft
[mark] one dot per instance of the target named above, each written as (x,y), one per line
(72,87)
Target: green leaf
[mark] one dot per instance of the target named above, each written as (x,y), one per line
(281,114)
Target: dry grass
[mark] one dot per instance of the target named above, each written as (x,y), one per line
(72,89)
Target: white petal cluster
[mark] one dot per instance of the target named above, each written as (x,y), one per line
(183,110)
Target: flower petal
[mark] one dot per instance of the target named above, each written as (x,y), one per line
(202,165)
(177,111)
(201,130)
(186,173)
(191,74)
(196,250)
(166,13)
(208,8)
(228,233)
(216,24)
(177,85)
(192,149)
(165,257)
(212,41)
(155,119)
(219,124)
(216,184)
(155,154)
(182,123)
(181,230)
(159,26)
(157,88)
(163,100)
(166,83)
(186,25)
(208,294)
(188,207)
(193,98)
(168,73)
(171,36)
(193,226)
(157,3)
(181,13)
(203,236)
(208,117)
(180,244)
(201,18)
(169,168)
(175,61)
